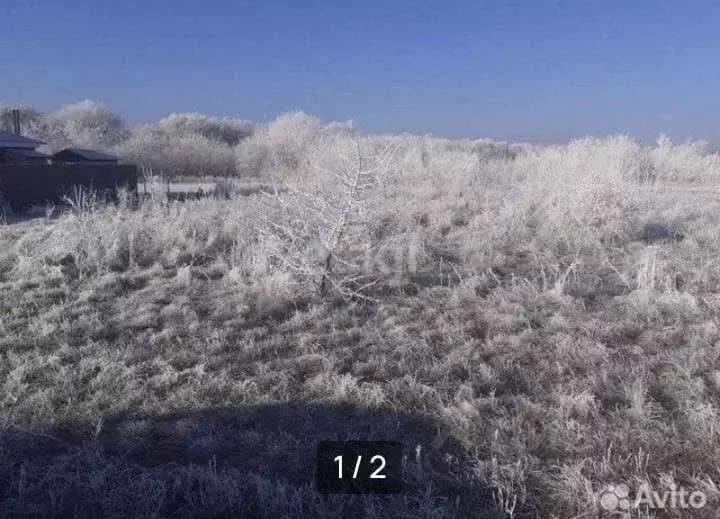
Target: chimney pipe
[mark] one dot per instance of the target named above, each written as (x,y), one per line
(16,121)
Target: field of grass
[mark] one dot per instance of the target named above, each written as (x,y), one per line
(531,327)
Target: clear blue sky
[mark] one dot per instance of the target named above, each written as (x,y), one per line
(533,69)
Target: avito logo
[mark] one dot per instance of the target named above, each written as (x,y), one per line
(616,498)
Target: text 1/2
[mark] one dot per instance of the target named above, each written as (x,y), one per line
(359,467)
(376,474)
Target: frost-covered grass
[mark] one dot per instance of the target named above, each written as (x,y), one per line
(541,323)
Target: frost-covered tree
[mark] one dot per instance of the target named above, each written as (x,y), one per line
(85,124)
(222,129)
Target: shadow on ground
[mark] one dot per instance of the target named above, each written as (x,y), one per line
(232,462)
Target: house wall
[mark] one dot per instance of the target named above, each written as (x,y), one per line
(26,184)
(35,160)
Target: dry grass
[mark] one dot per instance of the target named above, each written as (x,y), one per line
(540,326)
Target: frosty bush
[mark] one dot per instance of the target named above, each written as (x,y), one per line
(687,161)
(283,146)
(188,145)
(189,154)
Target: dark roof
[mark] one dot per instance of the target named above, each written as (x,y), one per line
(12,140)
(24,153)
(30,154)
(89,154)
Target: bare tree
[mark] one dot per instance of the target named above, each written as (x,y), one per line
(29,118)
(317,226)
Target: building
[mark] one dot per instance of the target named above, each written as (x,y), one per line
(29,177)
(83,156)
(16,149)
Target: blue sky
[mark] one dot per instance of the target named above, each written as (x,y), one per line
(532,70)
